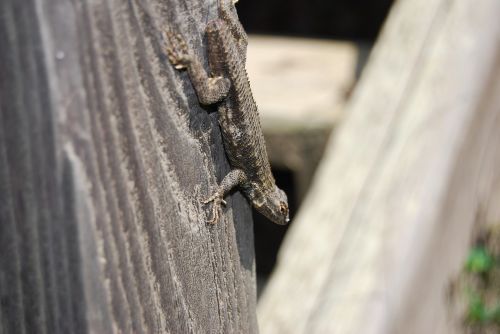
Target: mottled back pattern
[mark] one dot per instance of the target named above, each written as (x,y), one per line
(229,88)
(238,115)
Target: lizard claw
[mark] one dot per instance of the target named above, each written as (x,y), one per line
(218,201)
(177,50)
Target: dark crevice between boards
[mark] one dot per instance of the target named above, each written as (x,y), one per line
(269,236)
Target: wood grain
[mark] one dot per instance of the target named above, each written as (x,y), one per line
(105,154)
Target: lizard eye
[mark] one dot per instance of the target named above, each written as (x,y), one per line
(283,208)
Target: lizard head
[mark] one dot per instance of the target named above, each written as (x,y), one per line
(275,207)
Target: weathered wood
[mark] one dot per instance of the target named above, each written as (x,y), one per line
(390,216)
(105,153)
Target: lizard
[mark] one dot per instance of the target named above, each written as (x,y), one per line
(228,88)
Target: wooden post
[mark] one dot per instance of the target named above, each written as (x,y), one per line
(105,154)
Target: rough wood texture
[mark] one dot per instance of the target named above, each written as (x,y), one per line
(104,156)
(390,216)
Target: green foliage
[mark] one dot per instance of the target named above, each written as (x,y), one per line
(477,310)
(479,261)
(479,313)
(481,271)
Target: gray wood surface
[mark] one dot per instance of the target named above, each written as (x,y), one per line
(394,206)
(104,156)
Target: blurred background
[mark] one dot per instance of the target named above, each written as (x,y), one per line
(304,59)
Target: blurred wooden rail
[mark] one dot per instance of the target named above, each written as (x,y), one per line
(105,153)
(301,86)
(393,207)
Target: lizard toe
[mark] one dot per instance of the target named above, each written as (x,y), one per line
(216,214)
(218,201)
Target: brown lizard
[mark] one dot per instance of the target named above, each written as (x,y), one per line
(238,117)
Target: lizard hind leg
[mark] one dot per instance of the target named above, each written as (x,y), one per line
(209,89)
(177,50)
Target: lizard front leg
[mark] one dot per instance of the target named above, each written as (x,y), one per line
(209,89)
(232,179)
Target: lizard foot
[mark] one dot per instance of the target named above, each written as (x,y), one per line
(218,201)
(177,50)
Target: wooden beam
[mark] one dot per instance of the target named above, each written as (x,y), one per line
(105,154)
(390,216)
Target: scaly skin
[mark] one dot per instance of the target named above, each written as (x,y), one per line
(238,115)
